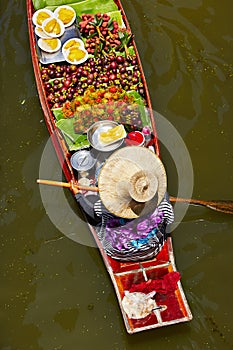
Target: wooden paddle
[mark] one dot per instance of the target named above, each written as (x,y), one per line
(224,206)
(67,184)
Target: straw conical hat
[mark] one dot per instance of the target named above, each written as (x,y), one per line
(132,182)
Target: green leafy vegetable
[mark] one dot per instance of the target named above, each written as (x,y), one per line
(39,4)
(141,103)
(58,114)
(80,7)
(73,140)
(116,15)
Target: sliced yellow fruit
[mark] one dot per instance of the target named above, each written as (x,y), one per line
(50,25)
(57,29)
(53,27)
(75,54)
(41,17)
(66,15)
(72,43)
(114,134)
(52,43)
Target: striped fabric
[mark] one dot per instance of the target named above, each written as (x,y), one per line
(132,253)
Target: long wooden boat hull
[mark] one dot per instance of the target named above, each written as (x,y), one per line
(172,308)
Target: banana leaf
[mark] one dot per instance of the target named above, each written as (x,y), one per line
(39,4)
(94,6)
(116,15)
(86,6)
(143,110)
(73,140)
(58,114)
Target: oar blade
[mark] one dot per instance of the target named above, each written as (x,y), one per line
(222,206)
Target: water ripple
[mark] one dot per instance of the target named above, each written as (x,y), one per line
(191,60)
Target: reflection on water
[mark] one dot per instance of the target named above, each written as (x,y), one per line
(64,216)
(55,293)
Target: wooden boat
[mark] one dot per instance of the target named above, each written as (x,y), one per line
(171,307)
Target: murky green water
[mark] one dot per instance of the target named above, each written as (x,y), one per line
(55,292)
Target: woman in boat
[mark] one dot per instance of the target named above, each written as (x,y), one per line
(132,210)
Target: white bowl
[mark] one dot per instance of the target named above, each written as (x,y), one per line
(51,34)
(45,47)
(65,8)
(36,14)
(93,136)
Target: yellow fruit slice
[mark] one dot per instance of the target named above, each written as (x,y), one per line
(52,43)
(41,17)
(114,134)
(53,27)
(75,54)
(66,15)
(72,43)
(57,29)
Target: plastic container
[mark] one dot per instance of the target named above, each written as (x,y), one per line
(135,138)
(82,160)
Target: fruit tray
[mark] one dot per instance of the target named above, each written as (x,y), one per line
(47,58)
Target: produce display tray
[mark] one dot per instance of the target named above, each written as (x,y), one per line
(47,58)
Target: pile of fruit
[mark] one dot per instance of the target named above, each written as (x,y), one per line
(112,64)
(103,104)
(65,82)
(103,34)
